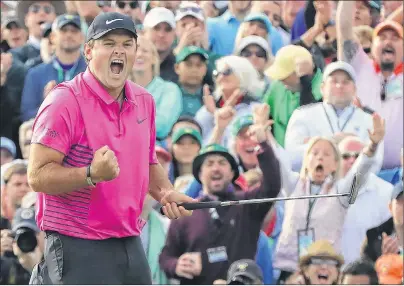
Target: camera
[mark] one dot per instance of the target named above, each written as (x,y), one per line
(25,239)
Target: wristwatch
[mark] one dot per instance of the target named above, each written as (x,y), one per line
(88,177)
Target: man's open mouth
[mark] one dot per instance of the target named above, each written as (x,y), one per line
(388,51)
(117,66)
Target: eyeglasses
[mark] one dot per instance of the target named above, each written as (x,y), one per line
(259,54)
(35,8)
(348,155)
(324,261)
(132,5)
(190,9)
(226,72)
(367,50)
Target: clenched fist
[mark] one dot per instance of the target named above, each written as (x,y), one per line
(104,166)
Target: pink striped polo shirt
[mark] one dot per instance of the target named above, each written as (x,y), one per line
(77,118)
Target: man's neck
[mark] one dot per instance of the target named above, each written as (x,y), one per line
(143,78)
(192,89)
(239,15)
(67,58)
(185,169)
(164,55)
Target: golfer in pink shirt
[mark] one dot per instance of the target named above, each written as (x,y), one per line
(92,162)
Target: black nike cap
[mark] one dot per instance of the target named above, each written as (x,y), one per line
(107,22)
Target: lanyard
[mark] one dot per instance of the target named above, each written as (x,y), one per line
(65,76)
(345,124)
(311,205)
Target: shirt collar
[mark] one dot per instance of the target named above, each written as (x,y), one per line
(340,114)
(96,87)
(228,16)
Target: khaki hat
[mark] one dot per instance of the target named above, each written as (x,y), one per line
(392,25)
(320,248)
(389,268)
(284,64)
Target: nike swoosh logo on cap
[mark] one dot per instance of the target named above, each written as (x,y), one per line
(111,21)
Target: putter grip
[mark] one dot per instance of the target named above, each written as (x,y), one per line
(197,206)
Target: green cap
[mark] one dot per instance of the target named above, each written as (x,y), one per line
(178,134)
(242,122)
(210,150)
(190,50)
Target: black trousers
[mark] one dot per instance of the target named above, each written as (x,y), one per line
(70,260)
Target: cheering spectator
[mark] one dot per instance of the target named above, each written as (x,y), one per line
(87,10)
(296,82)
(34,14)
(256,50)
(236,79)
(191,67)
(183,122)
(320,265)
(159,27)
(367,13)
(67,63)
(372,198)
(131,8)
(290,9)
(389,267)
(166,94)
(364,34)
(320,175)
(333,116)
(13,34)
(8,151)
(25,134)
(379,81)
(359,272)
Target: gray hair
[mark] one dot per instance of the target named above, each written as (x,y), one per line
(245,72)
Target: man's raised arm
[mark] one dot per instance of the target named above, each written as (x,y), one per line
(347,45)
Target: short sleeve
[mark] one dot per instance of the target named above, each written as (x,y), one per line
(53,126)
(152,149)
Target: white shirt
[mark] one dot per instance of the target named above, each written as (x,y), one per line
(320,119)
(369,210)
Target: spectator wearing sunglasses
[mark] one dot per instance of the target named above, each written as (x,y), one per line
(372,199)
(257,51)
(34,14)
(131,8)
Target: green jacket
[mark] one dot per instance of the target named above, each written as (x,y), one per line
(283,102)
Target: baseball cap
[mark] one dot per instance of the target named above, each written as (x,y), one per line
(259,17)
(46,29)
(389,268)
(244,268)
(159,15)
(66,19)
(9,145)
(7,21)
(388,25)
(25,217)
(339,66)
(252,40)
(374,4)
(106,22)
(242,122)
(189,9)
(190,50)
(284,64)
(178,134)
(397,191)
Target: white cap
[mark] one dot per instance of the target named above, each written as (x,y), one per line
(189,9)
(159,15)
(339,66)
(252,40)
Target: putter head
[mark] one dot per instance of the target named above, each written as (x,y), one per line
(354,190)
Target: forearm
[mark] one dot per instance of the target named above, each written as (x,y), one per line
(309,37)
(159,182)
(397,15)
(54,179)
(217,136)
(345,35)
(270,167)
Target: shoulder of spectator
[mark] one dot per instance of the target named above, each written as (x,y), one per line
(306,107)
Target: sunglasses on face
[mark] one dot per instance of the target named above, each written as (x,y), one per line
(367,50)
(259,54)
(324,261)
(132,5)
(349,155)
(225,72)
(190,9)
(35,8)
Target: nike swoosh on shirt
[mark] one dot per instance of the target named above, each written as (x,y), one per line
(141,120)
(111,21)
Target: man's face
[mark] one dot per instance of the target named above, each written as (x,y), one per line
(192,71)
(362,14)
(339,89)
(111,59)
(290,10)
(5,156)
(239,6)
(188,22)
(350,150)
(162,36)
(257,57)
(245,149)
(216,173)
(273,10)
(256,28)
(39,13)
(387,49)
(186,149)
(69,38)
(17,188)
(356,280)
(292,82)
(15,35)
(129,8)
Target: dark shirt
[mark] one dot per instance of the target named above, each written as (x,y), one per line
(237,228)
(167,71)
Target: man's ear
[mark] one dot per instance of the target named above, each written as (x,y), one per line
(391,208)
(177,69)
(87,52)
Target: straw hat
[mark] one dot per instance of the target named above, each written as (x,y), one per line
(320,248)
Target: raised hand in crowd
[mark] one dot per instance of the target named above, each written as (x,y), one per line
(194,35)
(390,244)
(303,67)
(209,100)
(6,62)
(323,12)
(48,87)
(376,135)
(262,125)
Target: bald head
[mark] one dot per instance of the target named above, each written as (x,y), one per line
(350,147)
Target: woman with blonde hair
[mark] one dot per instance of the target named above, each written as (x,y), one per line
(167,95)
(306,221)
